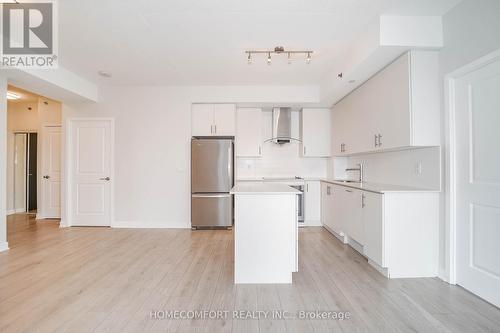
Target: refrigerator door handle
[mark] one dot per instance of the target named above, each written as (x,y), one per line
(218,195)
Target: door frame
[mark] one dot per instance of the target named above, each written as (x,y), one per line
(27,132)
(450,142)
(41,214)
(68,159)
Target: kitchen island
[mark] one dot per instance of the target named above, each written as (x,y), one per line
(265,233)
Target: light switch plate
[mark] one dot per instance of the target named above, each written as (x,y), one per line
(418,168)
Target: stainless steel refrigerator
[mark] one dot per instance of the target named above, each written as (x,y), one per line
(212,177)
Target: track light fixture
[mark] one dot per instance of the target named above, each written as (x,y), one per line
(278,50)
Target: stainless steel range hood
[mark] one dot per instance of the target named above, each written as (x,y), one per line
(282,125)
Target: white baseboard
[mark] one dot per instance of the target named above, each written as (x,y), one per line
(310,223)
(382,270)
(355,245)
(44,217)
(16,211)
(443,275)
(341,238)
(63,224)
(151,224)
(4,246)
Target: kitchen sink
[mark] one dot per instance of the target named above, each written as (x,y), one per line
(348,181)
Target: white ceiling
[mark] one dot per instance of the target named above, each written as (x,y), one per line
(196,42)
(25,96)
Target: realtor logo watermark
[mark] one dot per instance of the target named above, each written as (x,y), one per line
(29,34)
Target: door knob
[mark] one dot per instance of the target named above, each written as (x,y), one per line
(105,178)
(46,177)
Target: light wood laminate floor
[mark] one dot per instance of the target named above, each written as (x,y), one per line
(109,280)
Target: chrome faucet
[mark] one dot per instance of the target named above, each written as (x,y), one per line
(359,169)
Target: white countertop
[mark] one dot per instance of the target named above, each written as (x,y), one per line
(262,188)
(271,179)
(379,188)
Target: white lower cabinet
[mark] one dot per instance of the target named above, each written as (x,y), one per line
(373,227)
(312,203)
(396,231)
(350,200)
(326,205)
(330,209)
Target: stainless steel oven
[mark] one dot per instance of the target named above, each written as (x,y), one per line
(300,210)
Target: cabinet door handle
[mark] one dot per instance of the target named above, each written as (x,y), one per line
(362,201)
(307,187)
(211,129)
(328,190)
(304,150)
(348,191)
(260,150)
(215,127)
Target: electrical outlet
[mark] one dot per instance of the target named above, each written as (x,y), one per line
(418,168)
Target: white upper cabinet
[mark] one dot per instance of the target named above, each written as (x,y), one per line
(213,120)
(202,119)
(224,119)
(395,109)
(315,132)
(249,132)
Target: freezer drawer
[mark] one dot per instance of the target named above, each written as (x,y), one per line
(212,210)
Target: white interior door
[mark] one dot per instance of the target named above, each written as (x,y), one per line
(51,172)
(477,124)
(91,167)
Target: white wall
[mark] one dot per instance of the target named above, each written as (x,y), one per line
(20,118)
(281,160)
(3,164)
(471,30)
(152,144)
(398,167)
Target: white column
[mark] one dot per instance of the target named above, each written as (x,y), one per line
(3,164)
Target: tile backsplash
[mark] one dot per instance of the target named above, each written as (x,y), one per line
(281,161)
(419,167)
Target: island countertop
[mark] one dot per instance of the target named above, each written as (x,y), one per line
(250,188)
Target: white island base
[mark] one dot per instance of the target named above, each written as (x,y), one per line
(265,233)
